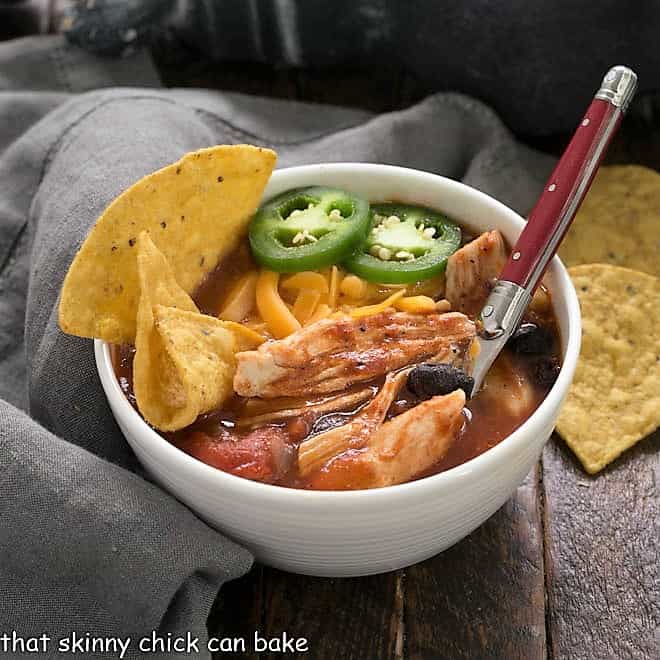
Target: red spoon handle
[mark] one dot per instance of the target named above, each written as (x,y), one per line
(569,182)
(550,218)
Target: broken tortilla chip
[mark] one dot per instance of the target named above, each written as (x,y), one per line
(614,400)
(157,284)
(618,222)
(184,361)
(152,370)
(195,210)
(246,338)
(192,360)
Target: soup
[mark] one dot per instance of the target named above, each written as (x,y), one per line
(362,379)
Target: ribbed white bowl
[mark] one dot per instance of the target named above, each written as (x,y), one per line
(370,531)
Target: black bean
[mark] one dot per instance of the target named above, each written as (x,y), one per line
(330,421)
(546,370)
(427,380)
(531,339)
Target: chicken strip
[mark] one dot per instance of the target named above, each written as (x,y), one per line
(307,409)
(335,353)
(507,389)
(313,453)
(472,271)
(400,449)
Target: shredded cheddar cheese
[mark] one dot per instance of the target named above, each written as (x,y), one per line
(305,304)
(240,301)
(246,338)
(308,279)
(272,308)
(322,312)
(416,304)
(335,281)
(378,307)
(354,287)
(285,304)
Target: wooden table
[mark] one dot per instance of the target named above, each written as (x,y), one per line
(568,568)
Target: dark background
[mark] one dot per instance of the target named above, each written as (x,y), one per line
(536,63)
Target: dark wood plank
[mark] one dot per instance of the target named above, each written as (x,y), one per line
(483,598)
(238,611)
(341,618)
(602,559)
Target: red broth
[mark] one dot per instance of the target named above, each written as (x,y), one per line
(487,422)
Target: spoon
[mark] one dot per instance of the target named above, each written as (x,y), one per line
(551,217)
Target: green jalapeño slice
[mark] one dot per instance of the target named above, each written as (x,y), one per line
(308,229)
(405,244)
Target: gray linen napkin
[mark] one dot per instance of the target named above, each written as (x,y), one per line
(88,544)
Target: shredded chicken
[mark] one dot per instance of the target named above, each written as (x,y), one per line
(313,453)
(401,449)
(311,409)
(335,353)
(472,271)
(507,388)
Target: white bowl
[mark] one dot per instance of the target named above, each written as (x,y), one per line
(369,531)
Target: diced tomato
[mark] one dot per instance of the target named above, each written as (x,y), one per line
(259,455)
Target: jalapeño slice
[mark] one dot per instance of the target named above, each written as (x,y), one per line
(405,244)
(308,229)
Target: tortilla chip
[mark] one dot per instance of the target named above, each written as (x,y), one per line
(184,360)
(619,221)
(192,360)
(157,284)
(246,338)
(195,210)
(615,398)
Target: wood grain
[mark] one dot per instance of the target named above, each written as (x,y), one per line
(238,611)
(483,598)
(342,618)
(602,558)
